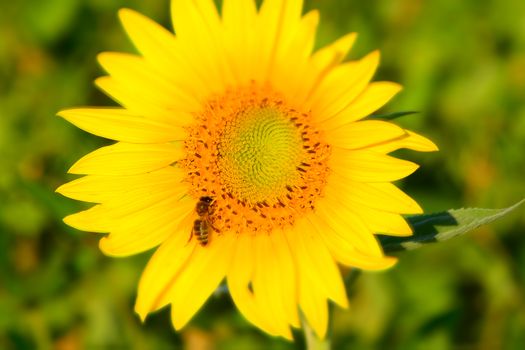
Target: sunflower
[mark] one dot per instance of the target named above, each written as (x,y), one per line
(242,154)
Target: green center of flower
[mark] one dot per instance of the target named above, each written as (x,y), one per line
(258,154)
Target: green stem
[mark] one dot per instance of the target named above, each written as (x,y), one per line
(312,340)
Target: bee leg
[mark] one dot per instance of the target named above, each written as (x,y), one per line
(214,228)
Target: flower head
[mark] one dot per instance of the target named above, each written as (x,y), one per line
(243,155)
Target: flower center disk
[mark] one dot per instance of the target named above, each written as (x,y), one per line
(259,153)
(261,161)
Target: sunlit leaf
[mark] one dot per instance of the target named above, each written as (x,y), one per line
(442,226)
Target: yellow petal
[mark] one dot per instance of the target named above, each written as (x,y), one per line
(278,22)
(122,125)
(239,17)
(317,262)
(321,63)
(145,102)
(163,51)
(239,279)
(344,251)
(381,196)
(346,224)
(265,284)
(363,134)
(91,220)
(120,212)
(298,51)
(314,307)
(127,206)
(311,293)
(366,166)
(102,188)
(377,221)
(301,44)
(285,274)
(383,222)
(338,49)
(128,159)
(403,204)
(197,25)
(411,141)
(147,229)
(144,196)
(150,38)
(375,96)
(184,11)
(201,276)
(135,72)
(342,85)
(162,271)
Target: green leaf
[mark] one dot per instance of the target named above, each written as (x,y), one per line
(443,226)
(392,116)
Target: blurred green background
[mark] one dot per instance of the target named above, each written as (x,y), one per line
(463,66)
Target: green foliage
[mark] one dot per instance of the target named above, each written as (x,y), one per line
(439,227)
(461,65)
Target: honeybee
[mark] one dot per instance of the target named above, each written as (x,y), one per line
(202,225)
